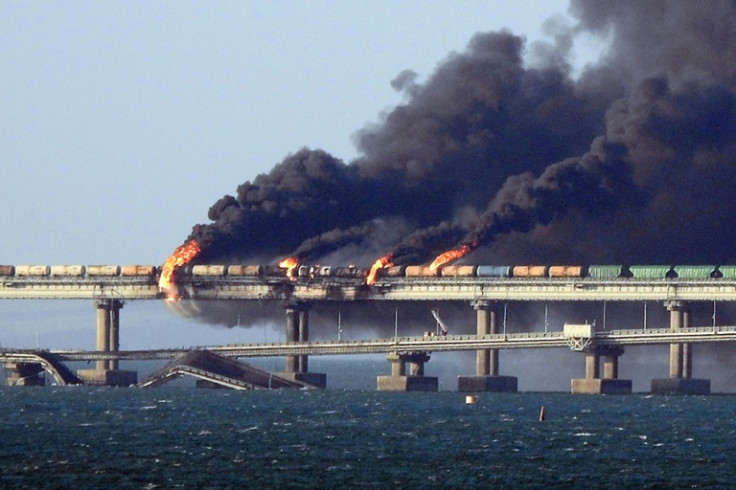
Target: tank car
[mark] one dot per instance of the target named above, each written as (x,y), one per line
(32,270)
(68,270)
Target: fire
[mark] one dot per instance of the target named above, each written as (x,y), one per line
(182,255)
(290,264)
(385,261)
(451,255)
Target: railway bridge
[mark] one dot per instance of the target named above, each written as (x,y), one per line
(486,295)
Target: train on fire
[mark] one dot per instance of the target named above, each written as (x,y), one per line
(316,272)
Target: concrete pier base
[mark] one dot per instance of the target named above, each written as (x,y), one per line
(108,377)
(317,380)
(399,381)
(495,384)
(407,383)
(24,374)
(680,386)
(597,386)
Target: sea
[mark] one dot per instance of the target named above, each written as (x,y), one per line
(180,436)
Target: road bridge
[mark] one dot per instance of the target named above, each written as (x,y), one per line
(483,293)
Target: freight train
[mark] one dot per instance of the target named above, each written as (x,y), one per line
(316,272)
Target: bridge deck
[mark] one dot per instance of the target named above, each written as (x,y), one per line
(395,289)
(530,340)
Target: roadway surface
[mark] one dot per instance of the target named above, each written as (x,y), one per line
(533,340)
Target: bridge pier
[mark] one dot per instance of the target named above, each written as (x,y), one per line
(297,330)
(593,383)
(486,360)
(24,374)
(106,372)
(400,381)
(681,381)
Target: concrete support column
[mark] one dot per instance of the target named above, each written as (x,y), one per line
(399,381)
(594,383)
(486,363)
(303,337)
(114,345)
(398,367)
(687,349)
(610,367)
(676,309)
(486,360)
(297,330)
(103,331)
(592,365)
(292,335)
(680,381)
(107,372)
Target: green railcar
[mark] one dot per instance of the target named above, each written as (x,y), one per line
(649,271)
(727,271)
(694,271)
(605,271)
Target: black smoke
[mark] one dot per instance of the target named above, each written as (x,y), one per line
(632,160)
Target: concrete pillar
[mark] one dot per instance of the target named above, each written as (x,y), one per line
(303,337)
(24,374)
(594,383)
(114,345)
(676,313)
(592,365)
(610,367)
(292,335)
(687,349)
(106,372)
(680,381)
(398,367)
(483,327)
(297,330)
(399,381)
(103,331)
(486,360)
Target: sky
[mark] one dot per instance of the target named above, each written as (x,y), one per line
(123,122)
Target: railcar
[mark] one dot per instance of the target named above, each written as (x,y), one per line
(103,270)
(696,272)
(67,270)
(650,271)
(209,270)
(138,271)
(494,271)
(727,271)
(530,271)
(245,270)
(459,271)
(567,271)
(420,271)
(7,270)
(32,270)
(604,272)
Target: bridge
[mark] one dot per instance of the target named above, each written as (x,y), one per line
(484,294)
(386,289)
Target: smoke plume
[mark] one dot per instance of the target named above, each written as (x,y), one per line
(629,161)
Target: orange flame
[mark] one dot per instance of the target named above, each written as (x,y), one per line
(182,255)
(451,255)
(290,264)
(385,261)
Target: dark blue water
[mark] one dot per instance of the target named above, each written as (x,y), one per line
(171,437)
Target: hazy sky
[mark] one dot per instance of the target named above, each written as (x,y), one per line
(123,122)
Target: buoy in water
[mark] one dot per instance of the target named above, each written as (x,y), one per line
(541,414)
(470,399)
